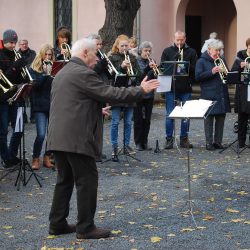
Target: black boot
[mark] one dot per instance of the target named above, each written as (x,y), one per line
(115,154)
(184,143)
(169,143)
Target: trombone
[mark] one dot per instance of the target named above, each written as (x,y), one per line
(25,72)
(130,71)
(155,68)
(111,67)
(67,54)
(223,69)
(11,89)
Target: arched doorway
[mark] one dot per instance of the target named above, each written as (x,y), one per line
(200,18)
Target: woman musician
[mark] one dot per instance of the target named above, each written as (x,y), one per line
(242,103)
(126,65)
(40,72)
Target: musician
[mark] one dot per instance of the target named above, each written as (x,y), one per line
(117,57)
(40,72)
(143,109)
(71,135)
(181,87)
(212,88)
(63,36)
(133,48)
(28,55)
(242,105)
(212,35)
(12,70)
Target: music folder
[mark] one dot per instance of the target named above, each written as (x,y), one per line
(57,66)
(233,77)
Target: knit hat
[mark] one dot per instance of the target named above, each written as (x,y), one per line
(9,36)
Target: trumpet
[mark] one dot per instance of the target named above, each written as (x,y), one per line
(247,65)
(25,72)
(180,59)
(130,71)
(67,55)
(155,68)
(47,66)
(223,69)
(111,67)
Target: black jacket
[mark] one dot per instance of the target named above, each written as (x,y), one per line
(241,103)
(28,56)
(182,83)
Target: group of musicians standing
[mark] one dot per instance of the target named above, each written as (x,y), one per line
(136,65)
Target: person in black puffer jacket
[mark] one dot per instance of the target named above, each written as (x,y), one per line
(212,88)
(40,72)
(11,68)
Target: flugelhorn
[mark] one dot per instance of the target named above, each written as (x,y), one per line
(25,72)
(67,54)
(155,68)
(223,69)
(130,70)
(111,67)
(247,65)
(47,64)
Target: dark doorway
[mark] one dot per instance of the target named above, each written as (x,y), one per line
(193,32)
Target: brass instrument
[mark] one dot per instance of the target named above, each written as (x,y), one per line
(155,68)
(111,67)
(47,64)
(25,72)
(67,55)
(180,59)
(223,69)
(130,71)
(10,89)
(247,65)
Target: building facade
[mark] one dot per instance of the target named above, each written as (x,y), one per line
(156,21)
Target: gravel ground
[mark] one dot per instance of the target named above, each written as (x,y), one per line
(146,203)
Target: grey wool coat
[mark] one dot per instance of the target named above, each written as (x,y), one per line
(75,121)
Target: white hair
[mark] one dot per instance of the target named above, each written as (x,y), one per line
(215,44)
(82,44)
(213,35)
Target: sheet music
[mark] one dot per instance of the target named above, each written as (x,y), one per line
(248,93)
(19,120)
(192,109)
(165,83)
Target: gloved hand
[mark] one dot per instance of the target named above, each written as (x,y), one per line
(19,63)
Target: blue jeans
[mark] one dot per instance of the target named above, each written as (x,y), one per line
(41,120)
(170,105)
(8,115)
(128,114)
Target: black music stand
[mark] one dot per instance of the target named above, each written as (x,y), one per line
(237,79)
(195,109)
(24,165)
(179,71)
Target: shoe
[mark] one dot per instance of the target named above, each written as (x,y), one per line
(169,143)
(184,143)
(96,233)
(46,162)
(7,164)
(70,228)
(218,146)
(139,147)
(115,154)
(210,147)
(14,161)
(35,164)
(146,147)
(129,150)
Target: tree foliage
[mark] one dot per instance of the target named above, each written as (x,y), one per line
(120,15)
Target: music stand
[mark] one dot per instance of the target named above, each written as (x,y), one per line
(237,79)
(57,66)
(24,165)
(179,71)
(195,109)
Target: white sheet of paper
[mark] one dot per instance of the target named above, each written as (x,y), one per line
(248,93)
(19,120)
(165,84)
(191,109)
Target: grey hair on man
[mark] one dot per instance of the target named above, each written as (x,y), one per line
(215,44)
(145,45)
(80,45)
(94,37)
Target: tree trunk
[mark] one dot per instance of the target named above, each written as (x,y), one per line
(120,15)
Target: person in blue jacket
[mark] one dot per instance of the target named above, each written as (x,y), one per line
(40,72)
(213,88)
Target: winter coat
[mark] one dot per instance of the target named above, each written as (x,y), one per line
(183,84)
(211,85)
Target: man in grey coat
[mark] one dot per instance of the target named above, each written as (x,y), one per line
(75,120)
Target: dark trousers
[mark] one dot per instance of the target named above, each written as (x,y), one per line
(142,119)
(214,126)
(242,127)
(80,170)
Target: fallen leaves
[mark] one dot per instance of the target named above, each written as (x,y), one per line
(155,239)
(230,210)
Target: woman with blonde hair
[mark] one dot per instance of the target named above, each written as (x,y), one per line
(40,72)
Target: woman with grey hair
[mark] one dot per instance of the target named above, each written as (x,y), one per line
(212,88)
(143,109)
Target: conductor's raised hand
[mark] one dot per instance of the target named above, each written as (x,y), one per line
(150,85)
